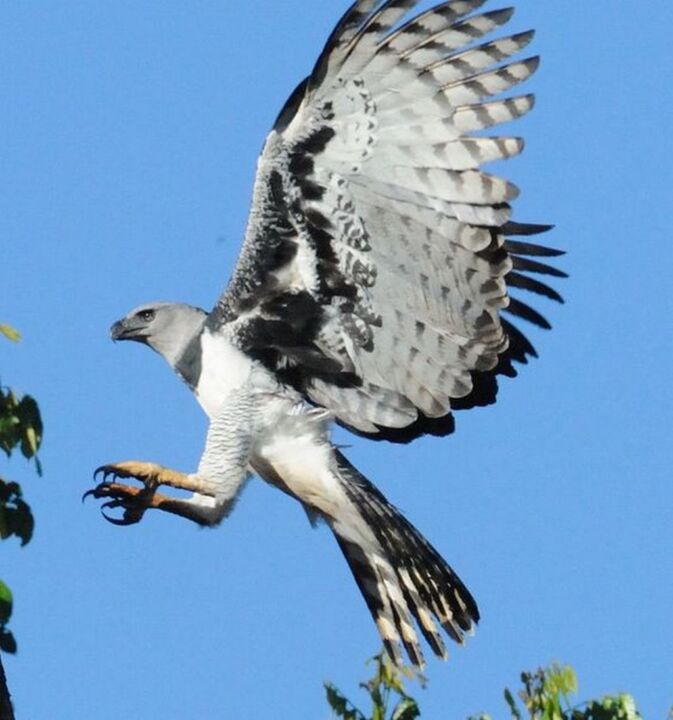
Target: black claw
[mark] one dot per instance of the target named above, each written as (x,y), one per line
(100,491)
(89,493)
(105,471)
(97,492)
(129,518)
(133,508)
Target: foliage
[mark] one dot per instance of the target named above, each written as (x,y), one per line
(20,427)
(7,641)
(385,688)
(546,695)
(9,332)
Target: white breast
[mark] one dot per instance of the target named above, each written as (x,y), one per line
(223,369)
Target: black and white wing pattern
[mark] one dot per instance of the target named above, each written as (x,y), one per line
(377,261)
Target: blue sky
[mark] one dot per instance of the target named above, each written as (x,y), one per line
(129,137)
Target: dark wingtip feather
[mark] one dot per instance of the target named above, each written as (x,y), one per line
(523,38)
(393,652)
(533,63)
(504,15)
(523,282)
(522,248)
(516,228)
(526,312)
(526,265)
(415,654)
(520,347)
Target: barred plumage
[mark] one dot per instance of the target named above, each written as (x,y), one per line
(401,576)
(373,282)
(410,237)
(384,185)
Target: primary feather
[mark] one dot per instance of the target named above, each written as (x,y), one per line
(376,245)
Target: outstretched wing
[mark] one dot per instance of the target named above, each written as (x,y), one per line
(377,258)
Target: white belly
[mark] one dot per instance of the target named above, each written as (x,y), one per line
(223,368)
(299,453)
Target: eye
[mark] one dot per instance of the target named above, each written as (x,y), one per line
(146,315)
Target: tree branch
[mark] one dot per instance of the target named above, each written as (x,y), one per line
(6,711)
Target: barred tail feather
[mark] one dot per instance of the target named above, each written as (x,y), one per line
(401,576)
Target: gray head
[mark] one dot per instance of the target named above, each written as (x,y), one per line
(167,328)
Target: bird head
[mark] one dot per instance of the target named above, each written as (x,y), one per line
(165,327)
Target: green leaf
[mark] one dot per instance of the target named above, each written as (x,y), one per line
(569,679)
(335,699)
(622,707)
(6,602)
(509,698)
(10,432)
(30,419)
(340,705)
(22,522)
(7,642)
(407,709)
(16,517)
(10,333)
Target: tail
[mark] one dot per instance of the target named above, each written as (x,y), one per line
(399,573)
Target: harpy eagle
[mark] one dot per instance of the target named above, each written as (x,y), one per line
(370,291)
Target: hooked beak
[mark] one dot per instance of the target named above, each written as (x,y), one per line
(117,331)
(121,331)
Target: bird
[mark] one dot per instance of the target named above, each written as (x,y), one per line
(372,291)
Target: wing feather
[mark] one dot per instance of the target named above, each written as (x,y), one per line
(428,24)
(378,259)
